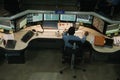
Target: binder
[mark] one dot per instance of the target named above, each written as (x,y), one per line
(99,41)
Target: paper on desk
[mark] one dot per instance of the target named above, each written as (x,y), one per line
(91,38)
(1,35)
(117,40)
(8,36)
(79,33)
(64,25)
(35,27)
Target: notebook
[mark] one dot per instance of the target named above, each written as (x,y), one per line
(99,41)
(10,44)
(108,42)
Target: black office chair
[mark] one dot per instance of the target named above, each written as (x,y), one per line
(73,56)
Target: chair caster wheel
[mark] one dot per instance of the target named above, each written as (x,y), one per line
(74,76)
(61,72)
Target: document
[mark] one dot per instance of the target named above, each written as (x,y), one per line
(35,27)
(117,40)
(8,36)
(64,25)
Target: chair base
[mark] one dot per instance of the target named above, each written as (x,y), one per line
(73,70)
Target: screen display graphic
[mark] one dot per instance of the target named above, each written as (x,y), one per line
(98,24)
(67,17)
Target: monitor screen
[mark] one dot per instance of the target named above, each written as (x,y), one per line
(84,19)
(51,17)
(98,24)
(5,23)
(20,23)
(67,17)
(34,17)
(112,28)
(50,24)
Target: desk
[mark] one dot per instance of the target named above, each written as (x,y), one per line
(90,38)
(16,55)
(52,34)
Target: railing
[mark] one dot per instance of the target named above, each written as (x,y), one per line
(66,12)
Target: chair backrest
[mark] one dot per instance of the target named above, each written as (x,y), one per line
(76,44)
(76,49)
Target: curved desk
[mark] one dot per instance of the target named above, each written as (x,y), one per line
(90,38)
(21,46)
(53,34)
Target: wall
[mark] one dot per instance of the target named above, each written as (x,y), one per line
(1,3)
(49,4)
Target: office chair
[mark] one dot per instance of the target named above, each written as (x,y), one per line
(72,56)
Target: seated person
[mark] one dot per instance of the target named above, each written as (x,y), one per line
(69,35)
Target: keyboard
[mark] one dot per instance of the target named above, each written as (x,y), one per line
(27,36)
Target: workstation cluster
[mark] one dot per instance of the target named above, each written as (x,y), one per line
(45,28)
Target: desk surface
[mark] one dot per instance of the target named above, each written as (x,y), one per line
(53,33)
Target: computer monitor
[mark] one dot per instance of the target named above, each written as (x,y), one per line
(84,19)
(68,17)
(5,23)
(50,21)
(51,17)
(20,23)
(112,28)
(98,24)
(34,17)
(6,26)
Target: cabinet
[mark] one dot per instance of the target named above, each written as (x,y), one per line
(2,56)
(15,57)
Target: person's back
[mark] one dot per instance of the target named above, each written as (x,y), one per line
(69,46)
(69,35)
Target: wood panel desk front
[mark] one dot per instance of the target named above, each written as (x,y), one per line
(53,34)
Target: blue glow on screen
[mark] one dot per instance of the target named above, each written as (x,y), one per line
(67,17)
(51,17)
(37,17)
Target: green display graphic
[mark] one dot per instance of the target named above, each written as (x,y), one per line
(51,17)
(37,17)
(67,17)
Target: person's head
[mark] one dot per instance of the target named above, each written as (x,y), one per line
(86,33)
(71,30)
